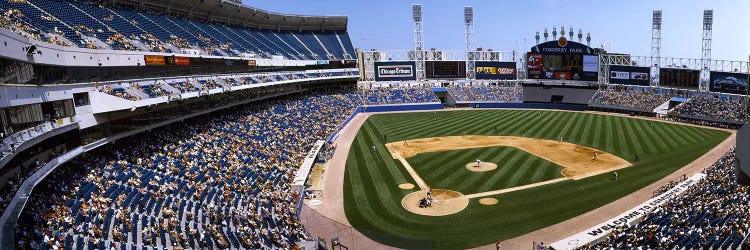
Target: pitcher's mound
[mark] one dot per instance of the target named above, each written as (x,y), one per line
(444,202)
(405,186)
(481,167)
(488,201)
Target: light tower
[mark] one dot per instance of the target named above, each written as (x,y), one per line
(580,36)
(418,41)
(546,34)
(655,47)
(537,37)
(470,55)
(588,39)
(570,33)
(708,22)
(554,33)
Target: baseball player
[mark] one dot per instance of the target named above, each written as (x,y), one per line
(616,175)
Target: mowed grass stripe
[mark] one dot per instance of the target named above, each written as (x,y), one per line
(586,131)
(502,167)
(498,121)
(645,146)
(517,127)
(570,126)
(551,125)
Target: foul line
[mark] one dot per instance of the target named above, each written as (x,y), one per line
(508,190)
(595,184)
(422,185)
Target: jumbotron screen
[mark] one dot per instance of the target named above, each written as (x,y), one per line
(562,60)
(683,78)
(445,69)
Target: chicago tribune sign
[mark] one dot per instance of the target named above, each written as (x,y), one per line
(395,71)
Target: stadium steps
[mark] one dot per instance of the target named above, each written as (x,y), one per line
(223,83)
(68,30)
(135,92)
(251,47)
(98,42)
(313,54)
(662,109)
(328,53)
(140,45)
(108,28)
(278,48)
(298,55)
(343,48)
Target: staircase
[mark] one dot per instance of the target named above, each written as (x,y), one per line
(663,109)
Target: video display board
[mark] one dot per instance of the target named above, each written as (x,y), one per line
(680,78)
(395,71)
(562,60)
(728,82)
(629,75)
(495,70)
(445,69)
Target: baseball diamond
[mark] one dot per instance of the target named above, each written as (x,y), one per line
(438,151)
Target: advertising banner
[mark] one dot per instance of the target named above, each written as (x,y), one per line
(496,70)
(395,71)
(728,82)
(154,60)
(178,60)
(590,63)
(681,78)
(445,69)
(629,75)
(534,65)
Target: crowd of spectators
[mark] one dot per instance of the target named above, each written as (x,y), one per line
(712,214)
(486,93)
(117,91)
(216,181)
(645,99)
(398,95)
(154,89)
(731,108)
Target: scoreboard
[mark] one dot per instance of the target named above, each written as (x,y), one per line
(682,78)
(445,69)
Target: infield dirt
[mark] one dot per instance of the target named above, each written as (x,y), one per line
(577,160)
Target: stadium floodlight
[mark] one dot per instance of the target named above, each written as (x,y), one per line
(708,21)
(416,10)
(656,21)
(470,54)
(468,14)
(570,33)
(708,18)
(655,46)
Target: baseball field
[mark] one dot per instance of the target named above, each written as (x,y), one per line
(497,174)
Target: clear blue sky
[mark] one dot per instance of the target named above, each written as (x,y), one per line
(626,25)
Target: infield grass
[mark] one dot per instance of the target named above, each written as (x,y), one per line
(372,197)
(447,170)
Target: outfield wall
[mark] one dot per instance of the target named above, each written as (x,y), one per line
(530,106)
(569,94)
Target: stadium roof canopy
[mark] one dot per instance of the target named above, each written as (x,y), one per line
(233,12)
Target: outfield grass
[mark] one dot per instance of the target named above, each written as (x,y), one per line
(372,197)
(447,170)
